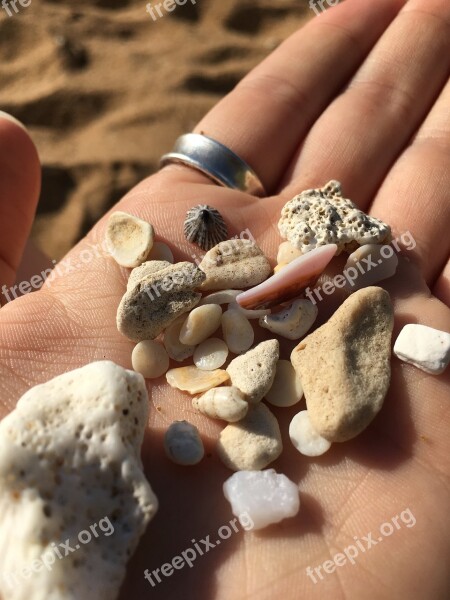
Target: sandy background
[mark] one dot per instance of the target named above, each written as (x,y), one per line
(105,90)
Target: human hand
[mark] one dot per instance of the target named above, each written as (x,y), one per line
(360,95)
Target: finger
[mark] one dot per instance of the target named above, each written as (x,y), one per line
(442,287)
(19,192)
(364,130)
(415,194)
(269,112)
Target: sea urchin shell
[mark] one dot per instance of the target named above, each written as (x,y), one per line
(204,226)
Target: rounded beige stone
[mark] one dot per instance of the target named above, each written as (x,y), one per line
(128,239)
(201,322)
(175,349)
(287,253)
(237,331)
(286,388)
(253,372)
(210,354)
(150,359)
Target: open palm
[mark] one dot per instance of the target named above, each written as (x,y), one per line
(361,95)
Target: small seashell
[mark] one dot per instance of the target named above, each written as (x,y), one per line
(161,251)
(183,444)
(194,380)
(202,322)
(289,283)
(225,403)
(220,297)
(210,354)
(150,359)
(305,438)
(292,322)
(175,349)
(286,388)
(237,331)
(204,226)
(128,239)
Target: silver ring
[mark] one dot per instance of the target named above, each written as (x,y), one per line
(216,161)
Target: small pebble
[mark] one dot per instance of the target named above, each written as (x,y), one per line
(183,444)
(292,322)
(202,322)
(253,372)
(370,266)
(194,381)
(279,267)
(286,389)
(224,402)
(210,354)
(252,443)
(237,331)
(128,239)
(305,438)
(150,359)
(220,297)
(175,349)
(161,251)
(265,496)
(287,253)
(424,347)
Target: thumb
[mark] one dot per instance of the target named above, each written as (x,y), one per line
(20,181)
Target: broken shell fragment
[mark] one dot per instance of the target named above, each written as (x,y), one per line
(253,372)
(194,381)
(174,348)
(147,268)
(210,354)
(157,300)
(150,359)
(220,297)
(69,460)
(370,264)
(128,239)
(291,281)
(264,497)
(292,322)
(183,444)
(317,217)
(225,403)
(424,347)
(237,331)
(253,442)
(161,251)
(205,226)
(234,264)
(286,389)
(201,322)
(305,438)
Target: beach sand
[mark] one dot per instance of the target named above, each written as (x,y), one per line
(105,90)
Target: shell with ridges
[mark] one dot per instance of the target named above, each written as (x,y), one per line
(204,226)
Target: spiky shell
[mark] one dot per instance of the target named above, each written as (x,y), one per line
(204,226)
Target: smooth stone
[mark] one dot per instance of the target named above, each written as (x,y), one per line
(150,359)
(128,239)
(211,354)
(194,381)
(305,438)
(286,389)
(252,443)
(369,259)
(225,402)
(345,365)
(287,253)
(253,372)
(237,331)
(424,347)
(174,348)
(183,444)
(201,322)
(292,322)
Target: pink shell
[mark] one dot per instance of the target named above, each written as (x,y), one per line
(290,282)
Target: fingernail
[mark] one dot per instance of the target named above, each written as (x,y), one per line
(8,117)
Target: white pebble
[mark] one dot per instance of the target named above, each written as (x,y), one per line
(224,402)
(221,297)
(150,359)
(237,331)
(128,239)
(371,263)
(293,322)
(175,349)
(305,438)
(210,354)
(424,347)
(161,251)
(202,322)
(183,444)
(265,496)
(286,388)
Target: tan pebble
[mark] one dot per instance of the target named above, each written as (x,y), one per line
(150,359)
(253,372)
(292,322)
(220,297)
(279,267)
(370,259)
(202,322)
(161,251)
(194,381)
(175,349)
(183,444)
(345,365)
(234,264)
(237,331)
(287,388)
(210,354)
(128,239)
(157,300)
(147,268)
(252,443)
(225,403)
(286,253)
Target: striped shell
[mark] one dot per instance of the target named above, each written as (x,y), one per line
(204,226)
